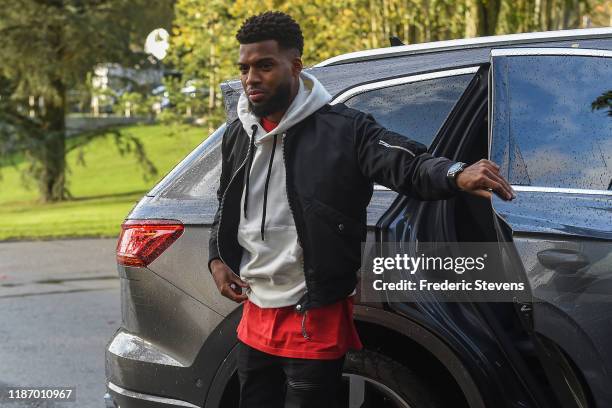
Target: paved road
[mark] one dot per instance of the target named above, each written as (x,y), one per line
(59,305)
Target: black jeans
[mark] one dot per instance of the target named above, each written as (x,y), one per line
(268,381)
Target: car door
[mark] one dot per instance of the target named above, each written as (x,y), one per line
(551,133)
(482,334)
(415,106)
(424,107)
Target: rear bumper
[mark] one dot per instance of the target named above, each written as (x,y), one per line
(139,374)
(118,397)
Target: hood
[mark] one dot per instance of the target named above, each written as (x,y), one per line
(310,97)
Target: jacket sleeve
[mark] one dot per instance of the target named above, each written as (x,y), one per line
(226,168)
(399,163)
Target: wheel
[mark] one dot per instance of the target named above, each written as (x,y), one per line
(373,380)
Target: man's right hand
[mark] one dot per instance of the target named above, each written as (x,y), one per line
(228,283)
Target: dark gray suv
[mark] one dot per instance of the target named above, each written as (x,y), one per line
(538,105)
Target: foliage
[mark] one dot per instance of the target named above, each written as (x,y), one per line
(47,48)
(203,43)
(604,101)
(134,104)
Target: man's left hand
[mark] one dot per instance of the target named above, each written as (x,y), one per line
(482,179)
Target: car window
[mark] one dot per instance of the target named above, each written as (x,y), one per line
(195,180)
(551,126)
(416,110)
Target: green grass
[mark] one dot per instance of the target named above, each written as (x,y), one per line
(105,189)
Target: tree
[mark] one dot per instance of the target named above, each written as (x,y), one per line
(48,47)
(203,45)
(482,17)
(604,101)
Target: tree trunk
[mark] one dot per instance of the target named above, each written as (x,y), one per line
(406,23)
(52,157)
(548,15)
(483,16)
(385,20)
(537,15)
(566,14)
(212,87)
(373,25)
(426,21)
(492,15)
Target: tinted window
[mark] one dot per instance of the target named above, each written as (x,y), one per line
(416,110)
(547,131)
(195,180)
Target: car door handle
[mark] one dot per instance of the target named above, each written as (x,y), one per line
(563,260)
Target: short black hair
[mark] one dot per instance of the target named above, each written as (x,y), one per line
(272,25)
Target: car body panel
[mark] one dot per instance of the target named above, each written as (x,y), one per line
(562,233)
(538,212)
(340,78)
(470,328)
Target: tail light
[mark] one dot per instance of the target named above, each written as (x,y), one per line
(141,241)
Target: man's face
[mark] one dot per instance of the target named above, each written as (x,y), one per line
(269,76)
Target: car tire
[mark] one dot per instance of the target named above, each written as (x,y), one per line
(385,376)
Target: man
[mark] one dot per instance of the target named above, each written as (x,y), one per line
(297,176)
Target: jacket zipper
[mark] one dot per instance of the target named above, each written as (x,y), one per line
(287,179)
(223,201)
(380,142)
(293,215)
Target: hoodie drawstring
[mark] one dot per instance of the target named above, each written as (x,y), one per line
(265,201)
(248,169)
(248,172)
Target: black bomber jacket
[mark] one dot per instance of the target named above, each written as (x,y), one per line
(332,158)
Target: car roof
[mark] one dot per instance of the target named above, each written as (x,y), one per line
(466,43)
(345,71)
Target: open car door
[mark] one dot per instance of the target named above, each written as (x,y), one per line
(550,130)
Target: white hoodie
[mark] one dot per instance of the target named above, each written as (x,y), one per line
(273,267)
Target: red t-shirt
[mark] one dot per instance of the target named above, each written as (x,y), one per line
(328,332)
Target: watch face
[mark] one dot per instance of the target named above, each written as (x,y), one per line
(455,168)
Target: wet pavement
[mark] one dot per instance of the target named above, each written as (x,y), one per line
(59,306)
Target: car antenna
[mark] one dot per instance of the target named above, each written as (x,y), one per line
(395,41)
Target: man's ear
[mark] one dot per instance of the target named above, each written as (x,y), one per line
(296,66)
